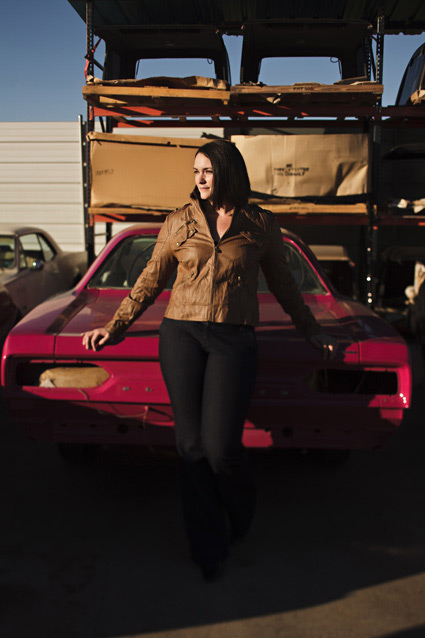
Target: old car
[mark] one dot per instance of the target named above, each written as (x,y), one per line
(129,47)
(413,82)
(345,41)
(32,268)
(56,390)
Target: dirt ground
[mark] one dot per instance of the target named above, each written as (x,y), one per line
(99,551)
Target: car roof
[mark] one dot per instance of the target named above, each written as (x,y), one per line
(12,229)
(135,228)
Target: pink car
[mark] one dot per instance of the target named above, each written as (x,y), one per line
(56,390)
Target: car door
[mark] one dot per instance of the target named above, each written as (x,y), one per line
(22,286)
(35,275)
(55,275)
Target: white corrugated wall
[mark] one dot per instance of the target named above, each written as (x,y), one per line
(40,179)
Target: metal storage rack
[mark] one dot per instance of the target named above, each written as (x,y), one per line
(243,107)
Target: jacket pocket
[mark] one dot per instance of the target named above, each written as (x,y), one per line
(185,232)
(236,284)
(254,238)
(249,250)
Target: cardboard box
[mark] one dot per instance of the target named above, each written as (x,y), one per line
(141,171)
(306,165)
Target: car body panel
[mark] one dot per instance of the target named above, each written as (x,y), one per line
(300,400)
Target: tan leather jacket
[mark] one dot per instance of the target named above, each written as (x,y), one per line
(216,282)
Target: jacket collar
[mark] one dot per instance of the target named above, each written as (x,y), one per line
(237,221)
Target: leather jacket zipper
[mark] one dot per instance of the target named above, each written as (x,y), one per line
(216,246)
(183,281)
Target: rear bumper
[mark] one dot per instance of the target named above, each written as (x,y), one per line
(278,426)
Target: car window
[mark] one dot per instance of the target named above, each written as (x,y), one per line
(7,252)
(48,251)
(31,250)
(122,267)
(172,67)
(306,278)
(289,70)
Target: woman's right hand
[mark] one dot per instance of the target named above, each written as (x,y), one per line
(94,338)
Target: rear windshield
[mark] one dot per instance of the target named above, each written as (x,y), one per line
(122,267)
(291,70)
(172,67)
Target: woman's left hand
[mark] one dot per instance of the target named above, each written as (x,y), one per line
(326,343)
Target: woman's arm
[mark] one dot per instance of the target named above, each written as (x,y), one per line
(283,286)
(148,286)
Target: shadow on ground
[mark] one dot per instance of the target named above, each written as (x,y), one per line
(100,550)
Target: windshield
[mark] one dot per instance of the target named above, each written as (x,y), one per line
(122,267)
(7,252)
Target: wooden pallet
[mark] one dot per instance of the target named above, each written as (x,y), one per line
(307,208)
(363,93)
(296,212)
(193,101)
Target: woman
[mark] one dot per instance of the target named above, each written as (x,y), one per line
(208,351)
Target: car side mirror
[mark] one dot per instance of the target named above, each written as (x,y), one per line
(37,264)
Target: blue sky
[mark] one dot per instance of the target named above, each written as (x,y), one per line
(42,48)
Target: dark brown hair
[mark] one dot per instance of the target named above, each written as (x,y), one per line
(231,181)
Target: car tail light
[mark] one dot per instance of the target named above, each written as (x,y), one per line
(369,382)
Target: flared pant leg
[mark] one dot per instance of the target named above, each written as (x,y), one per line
(210,371)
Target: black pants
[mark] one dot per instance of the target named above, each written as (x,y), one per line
(210,371)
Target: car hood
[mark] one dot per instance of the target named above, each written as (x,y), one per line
(66,316)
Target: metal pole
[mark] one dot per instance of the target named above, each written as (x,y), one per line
(85,176)
(89,43)
(371,255)
(372,228)
(368,55)
(380,26)
(89,228)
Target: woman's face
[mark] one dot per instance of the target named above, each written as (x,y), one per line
(204,178)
